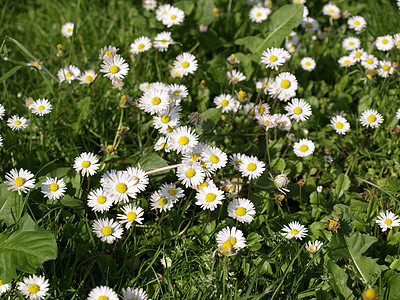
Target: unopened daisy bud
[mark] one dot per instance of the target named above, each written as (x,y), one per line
(281,182)
(216,12)
(242,96)
(122,102)
(60,52)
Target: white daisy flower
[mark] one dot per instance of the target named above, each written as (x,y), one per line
(331,10)
(251,167)
(209,197)
(144,86)
(358,54)
(309,24)
(174,16)
(161,11)
(293,47)
(148,5)
(34,287)
(100,200)
(68,73)
(162,41)
(225,101)
(285,82)
(41,107)
(154,101)
(191,174)
(292,38)
(161,201)
(369,62)
(351,43)
(162,144)
(2,112)
(108,51)
(299,1)
(53,188)
(1,141)
(230,239)
(183,139)
(346,61)
(258,14)
(121,186)
(294,230)
(303,148)
(214,158)
(388,220)
(131,213)
(17,123)
(275,57)
(176,91)
(235,76)
(87,164)
(35,65)
(340,124)
(241,209)
(67,29)
(167,118)
(357,23)
(166,262)
(4,287)
(106,176)
(371,118)
(398,114)
(298,110)
(87,77)
(384,43)
(172,192)
(396,40)
(231,187)
(281,181)
(140,175)
(20,181)
(138,293)
(140,45)
(102,293)
(114,67)
(314,246)
(282,122)
(307,64)
(385,68)
(207,183)
(185,63)
(107,230)
(236,159)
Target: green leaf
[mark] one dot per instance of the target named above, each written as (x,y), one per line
(152,161)
(339,281)
(83,109)
(9,73)
(210,118)
(186,5)
(205,13)
(342,184)
(25,249)
(8,205)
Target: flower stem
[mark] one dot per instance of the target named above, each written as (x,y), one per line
(162,169)
(358,149)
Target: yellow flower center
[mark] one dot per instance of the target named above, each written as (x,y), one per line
(131,216)
(273,58)
(190,173)
(183,140)
(172,191)
(214,159)
(69,29)
(176,93)
(386,68)
(156,100)
(106,230)
(370,294)
(202,185)
(114,69)
(294,231)
(385,41)
(173,17)
(370,60)
(358,54)
(308,63)
(285,83)
(312,248)
(163,145)
(1,282)
(210,197)
(17,123)
(36,64)
(33,288)
(53,187)
(68,74)
(121,187)
(351,43)
(103,298)
(251,112)
(309,25)
(240,211)
(41,107)
(261,109)
(371,118)
(170,129)
(332,224)
(19,181)
(224,102)
(297,110)
(398,42)
(331,11)
(89,78)
(339,125)
(357,23)
(258,14)
(195,156)
(165,119)
(185,64)
(163,41)
(141,46)
(86,164)
(388,222)
(162,201)
(346,62)
(251,166)
(101,199)
(303,148)
(108,53)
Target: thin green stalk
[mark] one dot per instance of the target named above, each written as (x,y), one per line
(358,149)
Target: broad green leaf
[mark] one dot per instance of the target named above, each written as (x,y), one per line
(205,13)
(152,161)
(9,73)
(210,118)
(339,281)
(342,184)
(25,249)
(8,205)
(186,5)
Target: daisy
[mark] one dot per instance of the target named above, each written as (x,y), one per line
(162,41)
(241,209)
(369,62)
(41,107)
(293,47)
(121,186)
(251,167)
(161,201)
(68,73)
(230,239)
(331,10)
(2,112)
(340,124)
(357,23)
(384,43)
(185,63)
(314,246)
(298,110)
(309,24)
(162,144)
(286,82)
(258,14)
(195,153)
(108,51)
(281,181)
(274,57)
(282,122)
(190,173)
(371,118)
(161,11)
(4,287)
(87,77)
(396,40)
(53,188)
(292,38)
(351,43)
(231,187)
(107,230)
(131,294)
(166,262)
(154,101)
(34,287)
(346,61)
(195,119)
(307,64)
(166,118)
(176,91)
(225,101)
(102,293)
(299,1)
(140,175)
(358,54)
(131,214)
(67,29)
(173,16)
(303,148)
(235,76)
(209,197)
(183,139)
(20,181)
(149,5)
(385,68)
(100,200)
(398,114)
(1,141)
(17,123)
(140,45)
(87,164)
(114,67)
(214,158)
(236,159)
(294,230)
(35,65)
(172,192)
(388,220)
